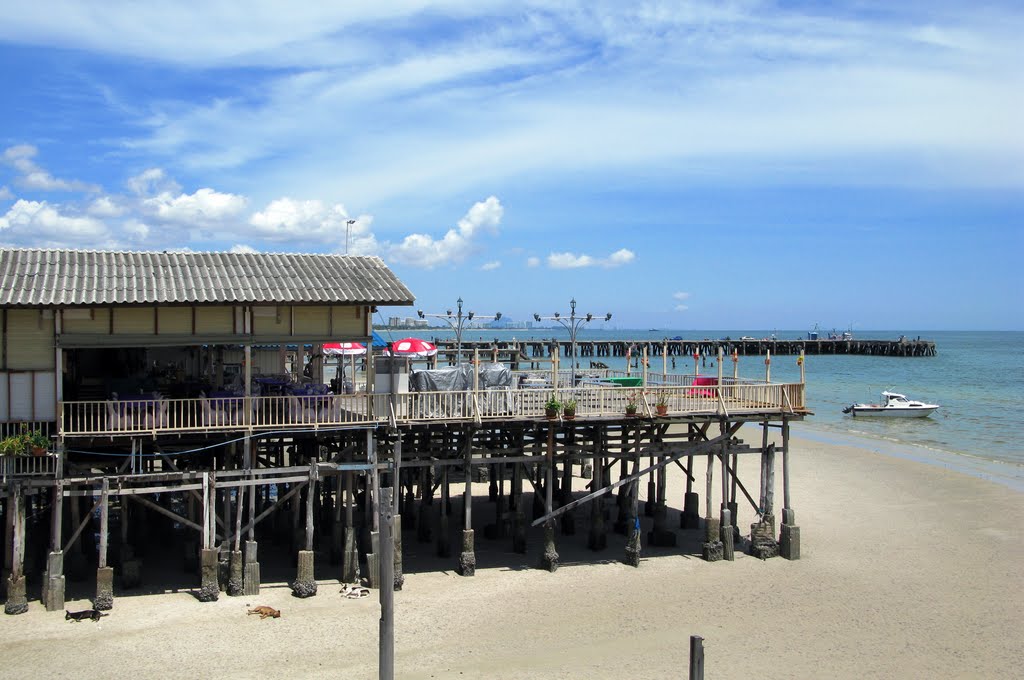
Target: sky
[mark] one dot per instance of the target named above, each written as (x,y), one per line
(681,165)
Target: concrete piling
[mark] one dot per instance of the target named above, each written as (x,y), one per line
(104,600)
(236,570)
(789,539)
(16,602)
(251,570)
(53,582)
(712,547)
(209,589)
(304,584)
(467,558)
(549,558)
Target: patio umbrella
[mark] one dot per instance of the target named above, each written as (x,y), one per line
(414,347)
(344,348)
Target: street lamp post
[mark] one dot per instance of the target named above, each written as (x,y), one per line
(348,230)
(572,324)
(458,323)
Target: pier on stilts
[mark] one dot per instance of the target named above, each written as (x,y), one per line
(219,501)
(194,439)
(594,350)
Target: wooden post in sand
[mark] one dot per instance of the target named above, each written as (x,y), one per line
(712,546)
(305,580)
(104,575)
(53,579)
(386,657)
(467,556)
(789,540)
(549,558)
(16,602)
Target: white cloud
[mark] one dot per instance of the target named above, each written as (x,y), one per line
(205,207)
(38,222)
(490,266)
(680,296)
(532,262)
(152,181)
(21,157)
(421,250)
(574,261)
(5,193)
(681,308)
(242,248)
(105,207)
(287,219)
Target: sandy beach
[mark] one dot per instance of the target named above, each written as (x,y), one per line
(907,570)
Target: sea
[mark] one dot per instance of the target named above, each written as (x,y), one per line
(976,376)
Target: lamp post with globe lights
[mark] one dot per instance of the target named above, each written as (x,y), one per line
(458,322)
(572,324)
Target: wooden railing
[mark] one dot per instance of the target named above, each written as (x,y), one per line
(109,418)
(12,467)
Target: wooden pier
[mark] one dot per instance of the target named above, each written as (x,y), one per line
(687,348)
(189,425)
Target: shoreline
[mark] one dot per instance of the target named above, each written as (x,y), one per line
(998,470)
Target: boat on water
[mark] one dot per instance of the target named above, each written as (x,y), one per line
(894,405)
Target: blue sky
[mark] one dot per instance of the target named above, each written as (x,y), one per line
(687,165)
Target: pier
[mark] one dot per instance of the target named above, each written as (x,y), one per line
(201,433)
(687,348)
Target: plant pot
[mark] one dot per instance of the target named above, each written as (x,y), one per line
(38,450)
(631,413)
(551,413)
(569,415)
(662,410)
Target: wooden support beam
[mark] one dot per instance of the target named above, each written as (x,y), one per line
(81,526)
(699,449)
(164,511)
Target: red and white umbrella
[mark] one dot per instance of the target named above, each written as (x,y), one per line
(344,348)
(414,347)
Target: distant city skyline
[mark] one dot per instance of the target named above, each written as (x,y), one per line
(679,165)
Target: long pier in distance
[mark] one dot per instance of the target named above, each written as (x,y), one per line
(902,347)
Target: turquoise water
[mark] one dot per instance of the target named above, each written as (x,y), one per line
(977,378)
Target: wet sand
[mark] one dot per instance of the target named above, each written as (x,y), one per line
(907,570)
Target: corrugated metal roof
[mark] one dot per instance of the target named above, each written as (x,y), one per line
(36,278)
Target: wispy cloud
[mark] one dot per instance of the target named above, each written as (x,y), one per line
(490,266)
(34,177)
(516,89)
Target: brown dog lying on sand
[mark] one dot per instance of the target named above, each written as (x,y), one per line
(264,611)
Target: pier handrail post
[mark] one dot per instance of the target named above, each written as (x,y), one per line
(768,366)
(800,361)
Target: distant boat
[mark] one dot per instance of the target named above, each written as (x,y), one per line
(652,330)
(893,405)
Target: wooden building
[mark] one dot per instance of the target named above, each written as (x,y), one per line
(181,409)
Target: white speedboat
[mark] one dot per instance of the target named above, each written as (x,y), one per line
(893,406)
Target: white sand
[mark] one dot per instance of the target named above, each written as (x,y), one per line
(907,571)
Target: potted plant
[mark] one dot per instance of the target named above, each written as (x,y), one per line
(551,407)
(569,409)
(662,405)
(38,443)
(14,445)
(631,405)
